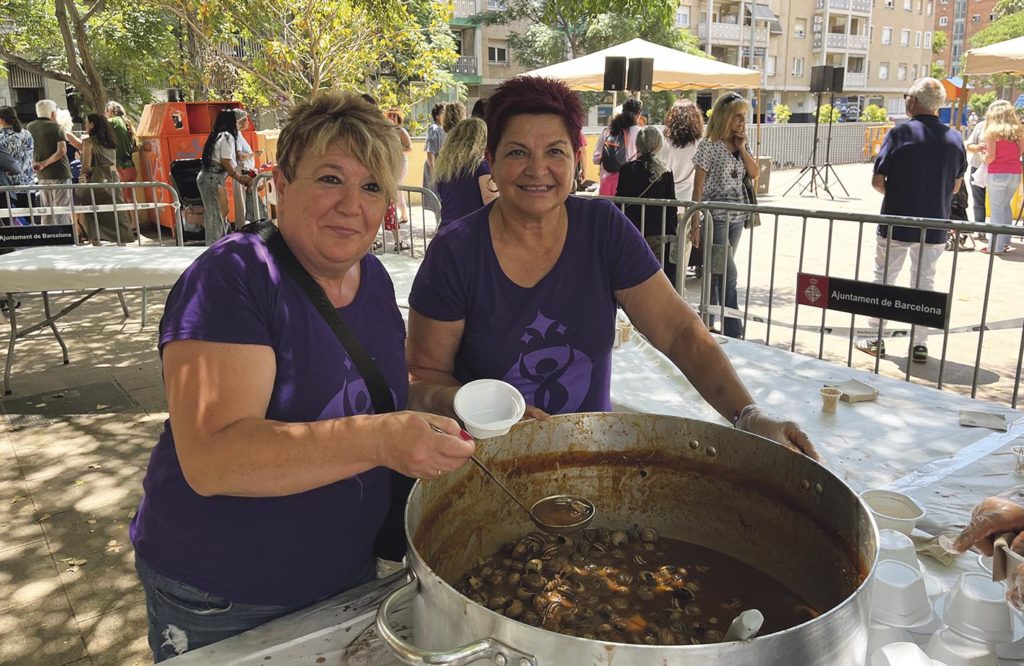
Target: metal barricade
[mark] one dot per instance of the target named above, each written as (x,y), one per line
(817,234)
(94,200)
(654,219)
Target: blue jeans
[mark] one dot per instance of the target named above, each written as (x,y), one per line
(1000,188)
(733,327)
(182,617)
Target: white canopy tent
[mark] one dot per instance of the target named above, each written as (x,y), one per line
(1001,58)
(673,70)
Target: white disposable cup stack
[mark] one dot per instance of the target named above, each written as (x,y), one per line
(897,546)
(489,407)
(899,598)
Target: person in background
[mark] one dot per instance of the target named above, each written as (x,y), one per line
(67,127)
(1004,144)
(99,160)
(646,177)
(463,175)
(479,109)
(124,137)
(684,127)
(526,290)
(432,146)
(270,483)
(16,141)
(454,113)
(975,147)
(50,161)
(621,133)
(917,171)
(396,117)
(722,161)
(220,154)
(246,156)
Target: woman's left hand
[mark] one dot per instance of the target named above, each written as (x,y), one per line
(787,433)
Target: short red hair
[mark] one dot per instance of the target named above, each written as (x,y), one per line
(533,95)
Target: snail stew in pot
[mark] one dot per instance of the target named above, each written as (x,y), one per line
(627,586)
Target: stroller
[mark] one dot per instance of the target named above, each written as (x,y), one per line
(183,175)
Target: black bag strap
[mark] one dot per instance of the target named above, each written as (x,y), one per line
(380,393)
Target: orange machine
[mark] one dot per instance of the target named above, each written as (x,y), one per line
(171,131)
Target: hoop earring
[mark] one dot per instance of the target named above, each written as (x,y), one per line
(490,181)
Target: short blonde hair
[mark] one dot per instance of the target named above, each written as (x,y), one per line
(331,117)
(462,151)
(1001,122)
(722,112)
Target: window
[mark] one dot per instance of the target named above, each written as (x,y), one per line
(975,18)
(497,55)
(683,17)
(883,70)
(927,41)
(913,73)
(930,7)
(800,28)
(798,66)
(917,39)
(889,4)
(901,72)
(908,5)
(905,37)
(887,35)
(943,21)
(769,66)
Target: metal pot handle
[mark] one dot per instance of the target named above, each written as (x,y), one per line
(494,651)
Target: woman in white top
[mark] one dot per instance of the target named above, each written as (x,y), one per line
(684,128)
(254,208)
(219,163)
(622,128)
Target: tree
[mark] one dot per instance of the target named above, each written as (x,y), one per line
(1008,7)
(938,71)
(873,113)
(825,111)
(979,103)
(100,48)
(782,113)
(939,42)
(280,51)
(1007,27)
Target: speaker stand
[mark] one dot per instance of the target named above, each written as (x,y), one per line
(828,168)
(811,170)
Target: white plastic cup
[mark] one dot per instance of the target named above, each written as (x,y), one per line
(897,546)
(954,650)
(489,407)
(899,598)
(901,654)
(880,635)
(830,399)
(976,609)
(892,510)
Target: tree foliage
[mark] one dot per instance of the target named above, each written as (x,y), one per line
(938,71)
(826,113)
(1009,26)
(939,42)
(873,113)
(104,49)
(782,113)
(1007,7)
(979,103)
(275,52)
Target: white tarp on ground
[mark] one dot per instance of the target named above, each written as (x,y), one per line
(1001,58)
(673,70)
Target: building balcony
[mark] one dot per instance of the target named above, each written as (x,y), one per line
(466,8)
(732,34)
(855,80)
(467,69)
(835,41)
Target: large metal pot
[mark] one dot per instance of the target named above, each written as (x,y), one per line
(697,481)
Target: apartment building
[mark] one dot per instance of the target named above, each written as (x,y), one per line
(484,59)
(960,20)
(21,89)
(882,44)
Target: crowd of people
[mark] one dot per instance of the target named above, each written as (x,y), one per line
(47,152)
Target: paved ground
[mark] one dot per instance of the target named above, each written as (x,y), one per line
(78,437)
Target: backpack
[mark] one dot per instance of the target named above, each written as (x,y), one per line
(613,154)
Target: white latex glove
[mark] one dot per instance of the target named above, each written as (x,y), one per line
(787,433)
(989,519)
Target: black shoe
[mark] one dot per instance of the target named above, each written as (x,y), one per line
(871,347)
(919,354)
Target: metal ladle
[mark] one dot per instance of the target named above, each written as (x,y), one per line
(570,504)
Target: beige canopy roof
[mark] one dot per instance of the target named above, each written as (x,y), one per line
(673,70)
(1001,58)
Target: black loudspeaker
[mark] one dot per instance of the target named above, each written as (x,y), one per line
(838,76)
(641,74)
(821,78)
(614,73)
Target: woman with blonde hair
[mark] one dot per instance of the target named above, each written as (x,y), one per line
(1004,144)
(461,174)
(454,113)
(722,161)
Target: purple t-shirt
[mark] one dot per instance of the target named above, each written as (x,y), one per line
(552,341)
(276,550)
(461,196)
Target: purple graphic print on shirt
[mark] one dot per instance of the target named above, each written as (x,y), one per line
(548,366)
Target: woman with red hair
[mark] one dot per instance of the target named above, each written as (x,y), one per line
(526,288)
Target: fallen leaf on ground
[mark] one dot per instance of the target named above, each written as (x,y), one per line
(95,466)
(44,517)
(18,499)
(91,521)
(131,514)
(79,482)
